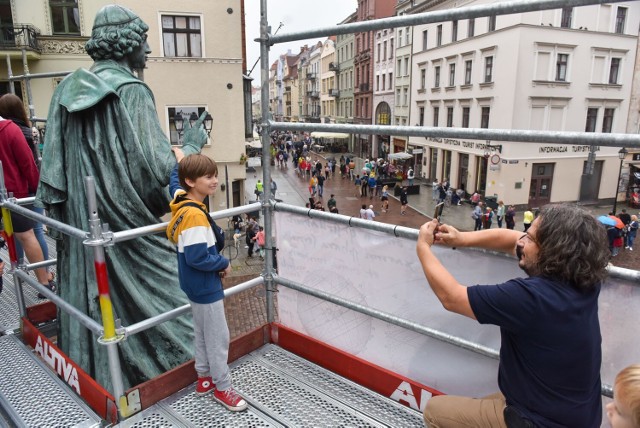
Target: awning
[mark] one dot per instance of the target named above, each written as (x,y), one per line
(318,134)
(254,144)
(400,156)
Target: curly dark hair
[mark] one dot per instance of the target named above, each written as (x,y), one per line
(116,41)
(573,246)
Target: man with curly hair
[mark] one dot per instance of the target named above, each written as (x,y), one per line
(103,123)
(550,353)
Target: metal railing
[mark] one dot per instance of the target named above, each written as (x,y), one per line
(19,36)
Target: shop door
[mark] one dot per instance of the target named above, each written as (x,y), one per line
(541,181)
(590,184)
(481,175)
(463,171)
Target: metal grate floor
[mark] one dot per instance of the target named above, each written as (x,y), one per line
(282,389)
(32,395)
(9,315)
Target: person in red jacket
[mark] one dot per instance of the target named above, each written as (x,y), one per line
(21,178)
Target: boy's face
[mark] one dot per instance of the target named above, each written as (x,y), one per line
(618,413)
(203,186)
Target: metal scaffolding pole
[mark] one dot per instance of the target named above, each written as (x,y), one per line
(501,8)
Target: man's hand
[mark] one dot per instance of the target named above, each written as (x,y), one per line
(194,136)
(177,151)
(428,231)
(227,271)
(448,235)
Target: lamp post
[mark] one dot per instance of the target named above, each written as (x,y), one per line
(621,154)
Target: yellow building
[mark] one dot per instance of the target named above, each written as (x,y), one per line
(197,63)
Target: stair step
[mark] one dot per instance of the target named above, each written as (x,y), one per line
(31,395)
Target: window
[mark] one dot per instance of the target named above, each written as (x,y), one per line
(465,117)
(378,53)
(399,68)
(390,80)
(181,36)
(424,40)
(449,117)
(384,82)
(484,118)
(421,117)
(399,38)
(454,30)
(186,113)
(561,67)
(488,69)
(492,23)
(384,50)
(398,97)
(471,28)
(390,48)
(423,78)
(621,17)
(377,82)
(65,18)
(436,74)
(439,35)
(614,70)
(405,96)
(436,115)
(452,74)
(567,13)
(468,64)
(607,120)
(406,66)
(592,117)
(407,36)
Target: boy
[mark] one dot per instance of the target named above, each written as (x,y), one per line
(624,411)
(200,269)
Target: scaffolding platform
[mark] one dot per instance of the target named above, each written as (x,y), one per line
(282,389)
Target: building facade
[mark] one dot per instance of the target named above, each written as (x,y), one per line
(328,87)
(196,64)
(567,69)
(384,102)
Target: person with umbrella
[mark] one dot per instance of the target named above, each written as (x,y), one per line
(614,227)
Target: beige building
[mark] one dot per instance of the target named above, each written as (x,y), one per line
(328,83)
(196,64)
(568,69)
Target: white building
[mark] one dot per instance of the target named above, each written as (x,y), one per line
(567,69)
(328,82)
(383,89)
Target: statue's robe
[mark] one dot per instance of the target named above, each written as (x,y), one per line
(103,123)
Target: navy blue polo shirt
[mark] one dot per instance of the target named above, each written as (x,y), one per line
(550,351)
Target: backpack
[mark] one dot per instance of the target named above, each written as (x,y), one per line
(217,230)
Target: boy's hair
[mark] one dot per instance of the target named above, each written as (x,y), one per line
(195,166)
(628,389)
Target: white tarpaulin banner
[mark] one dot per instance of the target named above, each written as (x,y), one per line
(382,272)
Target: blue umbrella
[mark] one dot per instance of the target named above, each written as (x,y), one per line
(606,220)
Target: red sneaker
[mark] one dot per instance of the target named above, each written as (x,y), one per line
(205,385)
(230,399)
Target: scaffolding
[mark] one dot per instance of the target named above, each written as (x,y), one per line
(99,236)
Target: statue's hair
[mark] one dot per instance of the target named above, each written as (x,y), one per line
(573,246)
(116,41)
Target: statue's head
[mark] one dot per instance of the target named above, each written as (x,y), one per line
(116,33)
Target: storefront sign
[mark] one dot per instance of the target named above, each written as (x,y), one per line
(566,149)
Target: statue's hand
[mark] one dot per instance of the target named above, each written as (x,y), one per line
(194,136)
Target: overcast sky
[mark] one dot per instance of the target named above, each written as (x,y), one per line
(296,15)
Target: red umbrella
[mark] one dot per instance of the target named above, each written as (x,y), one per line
(619,224)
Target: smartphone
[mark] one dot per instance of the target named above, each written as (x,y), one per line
(437,212)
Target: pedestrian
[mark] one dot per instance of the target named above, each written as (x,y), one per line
(274,188)
(410,176)
(363,211)
(358,184)
(332,205)
(385,198)
(500,212)
(364,185)
(434,190)
(404,200)
(477,215)
(259,190)
(369,214)
(320,179)
(510,217)
(475,198)
(260,241)
(313,185)
(372,185)
(624,410)
(201,269)
(528,219)
(460,194)
(625,218)
(488,218)
(633,231)
(550,353)
(250,238)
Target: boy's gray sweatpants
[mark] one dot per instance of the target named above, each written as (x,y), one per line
(211,342)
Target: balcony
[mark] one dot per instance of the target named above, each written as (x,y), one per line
(287,88)
(311,76)
(20,36)
(334,93)
(333,66)
(313,94)
(364,87)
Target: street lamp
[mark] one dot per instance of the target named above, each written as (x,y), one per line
(621,155)
(178,122)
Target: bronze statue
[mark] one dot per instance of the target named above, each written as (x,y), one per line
(102,122)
